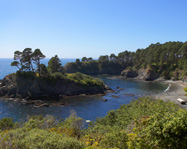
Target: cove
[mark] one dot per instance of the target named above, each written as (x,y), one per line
(86,107)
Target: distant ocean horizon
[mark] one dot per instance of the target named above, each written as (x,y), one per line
(6,68)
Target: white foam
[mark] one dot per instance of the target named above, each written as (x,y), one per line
(167,89)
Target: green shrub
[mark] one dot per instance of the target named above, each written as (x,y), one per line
(6,123)
(59,75)
(40,122)
(85,80)
(25,74)
(37,139)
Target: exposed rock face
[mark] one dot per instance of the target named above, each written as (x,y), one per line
(142,74)
(129,73)
(38,88)
(147,74)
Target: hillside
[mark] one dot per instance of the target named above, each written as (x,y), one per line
(167,60)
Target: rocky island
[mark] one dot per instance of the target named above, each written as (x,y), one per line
(51,82)
(29,86)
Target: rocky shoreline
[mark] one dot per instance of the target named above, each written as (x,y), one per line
(175,91)
(33,88)
(45,103)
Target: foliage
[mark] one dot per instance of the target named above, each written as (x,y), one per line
(54,65)
(144,123)
(6,123)
(164,58)
(37,138)
(24,60)
(185,89)
(72,126)
(25,74)
(95,67)
(40,122)
(37,56)
(43,70)
(85,80)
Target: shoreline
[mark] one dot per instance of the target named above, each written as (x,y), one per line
(175,91)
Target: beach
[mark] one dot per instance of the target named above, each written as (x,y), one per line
(174,91)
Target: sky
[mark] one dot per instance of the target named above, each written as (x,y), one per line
(78,28)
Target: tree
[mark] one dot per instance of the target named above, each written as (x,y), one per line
(27,59)
(185,67)
(77,60)
(24,60)
(15,63)
(84,59)
(104,58)
(54,65)
(17,58)
(89,59)
(113,57)
(37,56)
(43,70)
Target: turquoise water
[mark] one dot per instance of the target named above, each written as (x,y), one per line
(89,107)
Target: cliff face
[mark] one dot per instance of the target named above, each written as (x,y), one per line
(142,74)
(147,74)
(129,73)
(13,86)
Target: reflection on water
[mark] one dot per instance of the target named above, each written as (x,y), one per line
(89,107)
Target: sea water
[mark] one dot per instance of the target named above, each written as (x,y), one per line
(88,107)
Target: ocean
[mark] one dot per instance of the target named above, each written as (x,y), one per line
(88,107)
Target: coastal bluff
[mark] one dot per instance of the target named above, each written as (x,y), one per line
(29,86)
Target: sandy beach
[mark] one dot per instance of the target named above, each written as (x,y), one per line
(174,91)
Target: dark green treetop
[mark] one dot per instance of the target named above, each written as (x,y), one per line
(54,65)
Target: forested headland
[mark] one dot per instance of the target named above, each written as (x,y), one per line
(167,60)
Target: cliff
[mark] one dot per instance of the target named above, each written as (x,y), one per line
(29,86)
(147,74)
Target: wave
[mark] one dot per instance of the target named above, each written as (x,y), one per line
(167,89)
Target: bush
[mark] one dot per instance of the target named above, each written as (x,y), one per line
(58,75)
(85,80)
(6,123)
(41,122)
(25,74)
(37,138)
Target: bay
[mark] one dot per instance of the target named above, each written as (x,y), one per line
(87,107)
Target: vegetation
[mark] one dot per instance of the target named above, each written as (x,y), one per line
(185,89)
(144,123)
(54,65)
(85,79)
(24,60)
(169,60)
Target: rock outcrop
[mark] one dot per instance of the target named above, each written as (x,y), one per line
(26,87)
(142,74)
(147,74)
(129,73)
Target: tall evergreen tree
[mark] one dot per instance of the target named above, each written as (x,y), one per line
(54,64)
(27,59)
(37,56)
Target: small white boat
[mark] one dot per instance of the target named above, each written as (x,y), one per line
(181,101)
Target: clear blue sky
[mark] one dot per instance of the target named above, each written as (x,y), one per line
(77,28)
